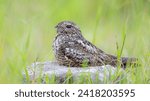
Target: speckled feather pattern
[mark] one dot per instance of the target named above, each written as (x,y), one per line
(72,49)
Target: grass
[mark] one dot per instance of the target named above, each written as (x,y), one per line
(27,31)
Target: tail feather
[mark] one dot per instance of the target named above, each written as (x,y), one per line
(128,61)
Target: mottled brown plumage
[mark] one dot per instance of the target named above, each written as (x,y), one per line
(72,49)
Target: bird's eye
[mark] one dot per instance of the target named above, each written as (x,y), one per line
(68,26)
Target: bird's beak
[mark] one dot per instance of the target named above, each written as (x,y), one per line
(56,26)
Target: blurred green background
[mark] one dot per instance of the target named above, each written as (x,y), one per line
(27,30)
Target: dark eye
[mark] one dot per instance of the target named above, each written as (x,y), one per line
(68,26)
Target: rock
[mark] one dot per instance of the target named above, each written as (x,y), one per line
(51,72)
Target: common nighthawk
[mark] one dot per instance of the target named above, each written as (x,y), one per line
(72,49)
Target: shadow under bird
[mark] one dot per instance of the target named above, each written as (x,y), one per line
(72,49)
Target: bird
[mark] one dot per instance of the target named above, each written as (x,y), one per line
(71,49)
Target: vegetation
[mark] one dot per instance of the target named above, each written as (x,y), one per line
(27,31)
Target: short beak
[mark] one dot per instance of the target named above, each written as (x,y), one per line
(56,26)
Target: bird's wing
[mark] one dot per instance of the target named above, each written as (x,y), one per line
(99,56)
(80,50)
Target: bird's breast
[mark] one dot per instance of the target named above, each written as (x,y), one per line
(62,41)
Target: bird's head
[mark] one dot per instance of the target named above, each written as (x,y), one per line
(67,27)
